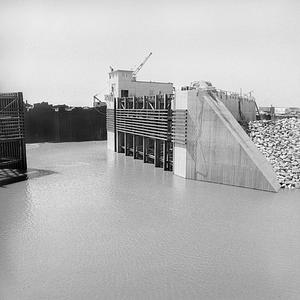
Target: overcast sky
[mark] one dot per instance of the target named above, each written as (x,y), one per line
(60,51)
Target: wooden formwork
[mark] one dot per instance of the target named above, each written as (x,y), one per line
(142,127)
(12,136)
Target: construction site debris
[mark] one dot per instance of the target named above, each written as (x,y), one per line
(279,141)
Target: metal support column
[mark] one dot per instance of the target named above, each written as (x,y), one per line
(126,144)
(145,149)
(165,156)
(119,138)
(156,153)
(134,146)
(165,102)
(21,122)
(115,124)
(155,102)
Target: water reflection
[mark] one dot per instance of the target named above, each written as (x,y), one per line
(105,226)
(14,213)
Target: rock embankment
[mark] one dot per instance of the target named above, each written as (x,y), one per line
(279,141)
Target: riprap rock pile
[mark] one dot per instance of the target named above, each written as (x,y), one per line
(279,141)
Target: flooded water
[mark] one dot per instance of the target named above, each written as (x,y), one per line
(92,224)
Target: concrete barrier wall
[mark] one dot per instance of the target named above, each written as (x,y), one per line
(44,124)
(218,150)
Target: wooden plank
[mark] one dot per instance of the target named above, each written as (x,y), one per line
(143,133)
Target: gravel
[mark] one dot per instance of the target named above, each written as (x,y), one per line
(279,141)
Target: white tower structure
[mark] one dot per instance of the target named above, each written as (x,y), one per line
(122,83)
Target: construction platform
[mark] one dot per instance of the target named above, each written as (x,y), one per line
(13,163)
(195,133)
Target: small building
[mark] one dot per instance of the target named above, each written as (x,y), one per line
(123,83)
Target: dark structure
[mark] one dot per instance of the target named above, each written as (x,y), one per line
(12,138)
(48,123)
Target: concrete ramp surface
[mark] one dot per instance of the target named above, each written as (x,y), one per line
(218,149)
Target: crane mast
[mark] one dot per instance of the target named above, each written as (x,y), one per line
(141,65)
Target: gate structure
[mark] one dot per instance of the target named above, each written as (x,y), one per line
(12,138)
(194,133)
(143,129)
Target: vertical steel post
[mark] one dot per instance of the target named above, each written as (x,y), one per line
(157,153)
(126,144)
(134,146)
(22,132)
(145,149)
(119,149)
(115,124)
(165,156)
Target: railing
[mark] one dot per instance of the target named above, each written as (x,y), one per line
(233,95)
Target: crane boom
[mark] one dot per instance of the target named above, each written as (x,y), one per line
(141,65)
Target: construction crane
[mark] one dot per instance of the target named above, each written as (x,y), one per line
(141,65)
(96,99)
(97,104)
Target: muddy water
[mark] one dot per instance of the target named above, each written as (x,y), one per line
(91,224)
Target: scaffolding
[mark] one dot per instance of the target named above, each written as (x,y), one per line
(144,128)
(12,137)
